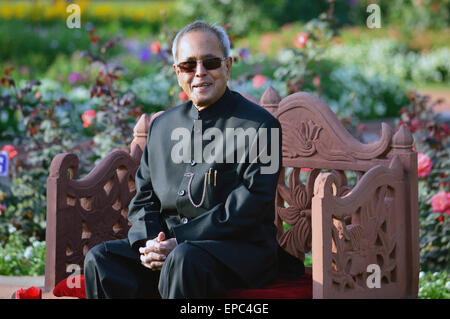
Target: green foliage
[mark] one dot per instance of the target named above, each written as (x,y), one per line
(247,16)
(308,259)
(22,256)
(241,15)
(44,133)
(434,285)
(350,93)
(34,48)
(351,89)
(413,15)
(387,57)
(50,121)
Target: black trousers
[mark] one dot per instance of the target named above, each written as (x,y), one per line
(113,270)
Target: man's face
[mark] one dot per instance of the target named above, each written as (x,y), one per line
(202,86)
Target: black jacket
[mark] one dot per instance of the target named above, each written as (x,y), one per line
(235,221)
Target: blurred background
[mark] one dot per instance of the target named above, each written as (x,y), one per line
(80,88)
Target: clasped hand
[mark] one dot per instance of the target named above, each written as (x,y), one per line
(156,251)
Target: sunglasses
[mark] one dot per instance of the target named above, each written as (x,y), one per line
(208,64)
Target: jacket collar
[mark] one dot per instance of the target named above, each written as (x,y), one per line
(221,107)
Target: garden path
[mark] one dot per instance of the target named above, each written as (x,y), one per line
(9,285)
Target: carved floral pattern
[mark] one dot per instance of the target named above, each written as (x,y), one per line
(297,239)
(304,136)
(363,239)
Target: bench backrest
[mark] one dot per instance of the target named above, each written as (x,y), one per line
(82,213)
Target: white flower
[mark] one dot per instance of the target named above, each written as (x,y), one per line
(28,252)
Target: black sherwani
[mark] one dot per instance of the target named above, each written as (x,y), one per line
(235,221)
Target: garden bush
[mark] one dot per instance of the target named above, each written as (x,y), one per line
(434,285)
(96,115)
(22,256)
(431,141)
(349,88)
(387,57)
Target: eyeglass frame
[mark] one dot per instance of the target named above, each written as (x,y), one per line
(196,62)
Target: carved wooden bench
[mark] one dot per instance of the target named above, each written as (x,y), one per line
(355,207)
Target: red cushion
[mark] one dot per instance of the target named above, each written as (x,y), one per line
(63,288)
(280,289)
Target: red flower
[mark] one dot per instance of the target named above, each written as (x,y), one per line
(87,117)
(424,165)
(30,293)
(94,39)
(155,47)
(301,39)
(441,203)
(10,150)
(258,81)
(183,96)
(37,95)
(415,124)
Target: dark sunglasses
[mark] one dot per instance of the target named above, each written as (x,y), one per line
(209,64)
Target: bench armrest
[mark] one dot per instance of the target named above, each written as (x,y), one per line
(85,212)
(359,240)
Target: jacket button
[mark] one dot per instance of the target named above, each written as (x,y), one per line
(193,163)
(181,192)
(184,220)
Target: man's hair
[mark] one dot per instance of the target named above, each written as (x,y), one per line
(203,26)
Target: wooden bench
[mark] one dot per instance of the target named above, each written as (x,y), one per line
(356,208)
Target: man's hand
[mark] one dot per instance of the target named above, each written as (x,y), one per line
(156,250)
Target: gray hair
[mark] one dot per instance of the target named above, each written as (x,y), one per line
(204,27)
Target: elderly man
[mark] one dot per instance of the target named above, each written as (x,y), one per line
(203,215)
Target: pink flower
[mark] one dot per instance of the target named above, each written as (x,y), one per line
(415,124)
(258,81)
(424,165)
(183,96)
(301,39)
(2,208)
(316,81)
(155,47)
(441,203)
(87,117)
(74,77)
(12,152)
